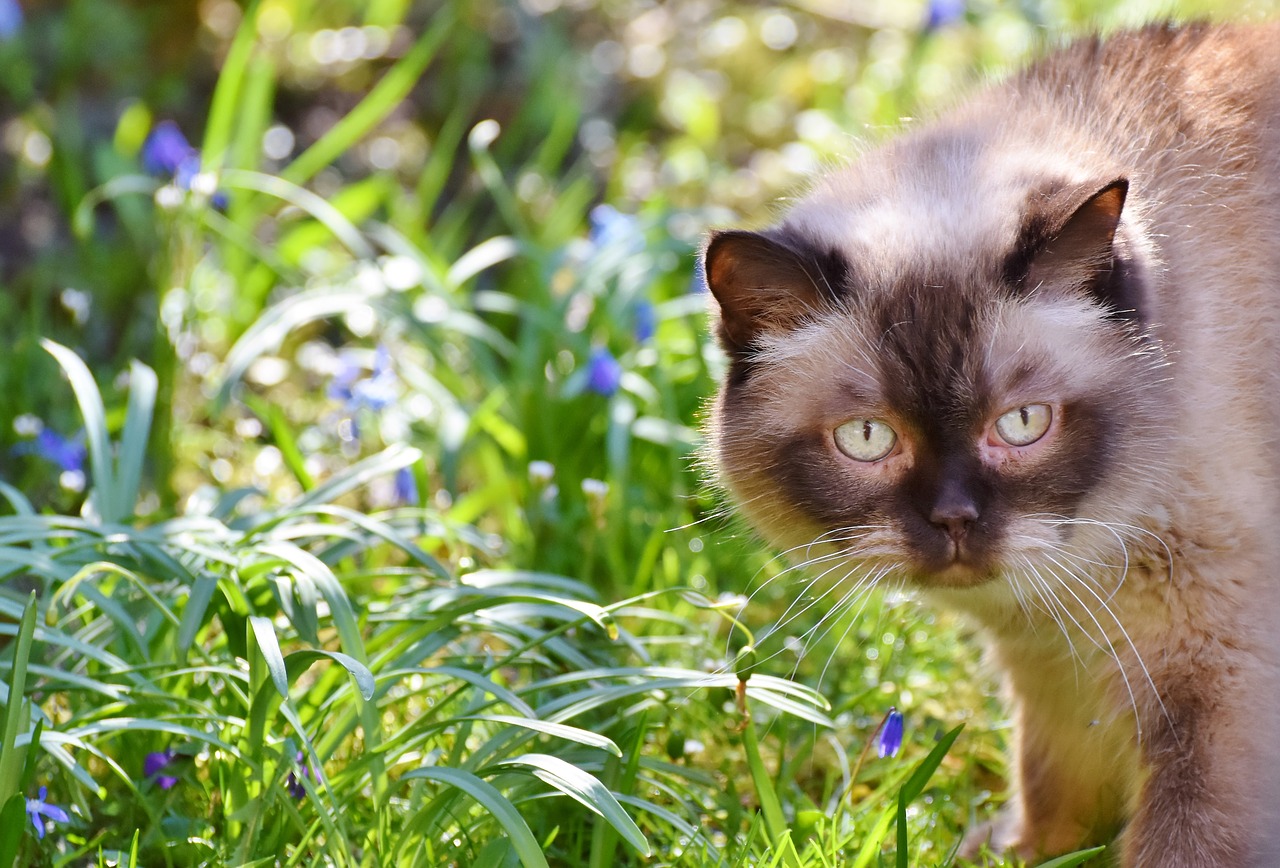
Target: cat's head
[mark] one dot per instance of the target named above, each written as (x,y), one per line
(950,385)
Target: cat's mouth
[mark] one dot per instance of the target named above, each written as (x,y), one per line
(959,566)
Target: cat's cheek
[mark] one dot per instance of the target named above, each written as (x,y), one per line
(1015,459)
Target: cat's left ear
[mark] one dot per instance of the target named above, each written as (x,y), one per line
(1069,242)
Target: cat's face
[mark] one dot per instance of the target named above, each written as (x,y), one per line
(949,427)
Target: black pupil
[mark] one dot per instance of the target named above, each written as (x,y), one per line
(1025,415)
(866,431)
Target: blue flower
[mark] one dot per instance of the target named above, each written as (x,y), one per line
(889,740)
(293,783)
(10,19)
(155,763)
(167,151)
(609,226)
(646,321)
(944,12)
(406,487)
(375,392)
(69,453)
(604,374)
(38,810)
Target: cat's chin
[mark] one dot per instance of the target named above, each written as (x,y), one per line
(954,576)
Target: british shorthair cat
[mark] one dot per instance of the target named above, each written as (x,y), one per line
(1025,360)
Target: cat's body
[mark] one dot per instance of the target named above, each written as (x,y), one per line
(1026,361)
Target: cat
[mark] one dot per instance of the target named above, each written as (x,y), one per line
(1024,361)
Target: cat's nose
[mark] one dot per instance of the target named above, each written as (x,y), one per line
(954,512)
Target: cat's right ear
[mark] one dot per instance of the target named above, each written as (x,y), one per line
(761,285)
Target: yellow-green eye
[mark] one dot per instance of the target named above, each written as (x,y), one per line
(1025,425)
(865,439)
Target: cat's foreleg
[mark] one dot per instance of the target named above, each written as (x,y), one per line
(1209,796)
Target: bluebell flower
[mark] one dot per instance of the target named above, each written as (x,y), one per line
(166,151)
(406,487)
(944,12)
(39,810)
(609,226)
(889,740)
(10,19)
(155,763)
(293,783)
(68,453)
(604,374)
(375,392)
(646,321)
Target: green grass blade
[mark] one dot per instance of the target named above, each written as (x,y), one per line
(13,825)
(505,813)
(15,706)
(770,805)
(585,789)
(269,331)
(265,634)
(388,93)
(316,206)
(226,94)
(143,385)
(1072,859)
(915,785)
(95,426)
(875,838)
(360,673)
(558,730)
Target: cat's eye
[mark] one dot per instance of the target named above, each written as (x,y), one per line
(1024,425)
(865,439)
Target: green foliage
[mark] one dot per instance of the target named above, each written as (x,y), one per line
(371,529)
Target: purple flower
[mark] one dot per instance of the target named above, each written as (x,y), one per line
(604,374)
(69,453)
(406,487)
(889,739)
(167,152)
(155,762)
(646,321)
(375,392)
(38,810)
(293,783)
(944,12)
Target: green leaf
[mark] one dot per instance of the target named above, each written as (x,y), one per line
(585,789)
(558,730)
(388,93)
(265,634)
(489,798)
(13,825)
(16,707)
(915,785)
(1072,859)
(95,426)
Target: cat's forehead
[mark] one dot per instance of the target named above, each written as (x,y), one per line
(933,206)
(933,354)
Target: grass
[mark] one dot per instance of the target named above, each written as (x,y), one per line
(358,519)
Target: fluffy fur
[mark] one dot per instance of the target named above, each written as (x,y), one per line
(1099,236)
